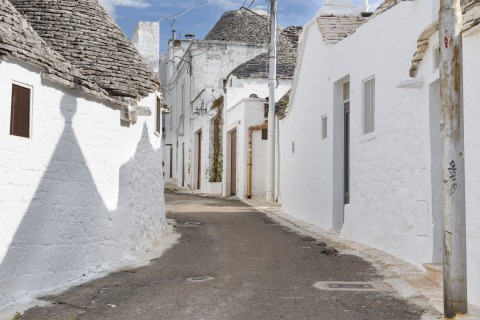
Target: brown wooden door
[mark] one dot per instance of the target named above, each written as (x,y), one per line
(20,115)
(199,161)
(233,163)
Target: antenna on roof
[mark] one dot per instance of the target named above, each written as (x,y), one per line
(174,32)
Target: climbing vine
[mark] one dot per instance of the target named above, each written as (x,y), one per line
(216,164)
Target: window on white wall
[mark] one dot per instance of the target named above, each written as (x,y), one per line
(369,105)
(158,116)
(20,111)
(324,127)
(436,58)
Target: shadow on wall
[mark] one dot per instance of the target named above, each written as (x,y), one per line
(68,233)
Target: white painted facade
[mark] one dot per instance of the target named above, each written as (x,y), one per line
(81,195)
(242,112)
(394,171)
(195,81)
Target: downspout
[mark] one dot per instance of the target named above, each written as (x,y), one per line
(249,160)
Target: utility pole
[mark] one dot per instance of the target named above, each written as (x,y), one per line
(271,107)
(453,161)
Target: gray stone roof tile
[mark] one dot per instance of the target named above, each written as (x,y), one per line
(241,25)
(335,28)
(471,14)
(87,37)
(282,105)
(19,40)
(471,19)
(287,52)
(384,6)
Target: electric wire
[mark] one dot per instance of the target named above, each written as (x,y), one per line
(186,11)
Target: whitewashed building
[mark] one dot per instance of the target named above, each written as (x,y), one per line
(196,76)
(246,126)
(81,185)
(205,78)
(362,129)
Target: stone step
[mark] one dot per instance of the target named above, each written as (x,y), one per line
(435,272)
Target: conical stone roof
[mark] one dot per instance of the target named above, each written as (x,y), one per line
(83,33)
(241,25)
(19,40)
(287,52)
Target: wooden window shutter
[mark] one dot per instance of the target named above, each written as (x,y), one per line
(20,115)
(157,119)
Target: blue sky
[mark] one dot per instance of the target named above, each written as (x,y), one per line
(127,13)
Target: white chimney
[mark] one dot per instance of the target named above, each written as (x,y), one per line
(365,6)
(146,38)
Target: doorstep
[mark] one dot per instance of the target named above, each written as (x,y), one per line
(435,272)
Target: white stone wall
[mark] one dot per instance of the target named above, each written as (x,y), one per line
(306,161)
(201,72)
(238,89)
(472,150)
(243,115)
(385,179)
(249,112)
(395,180)
(83,194)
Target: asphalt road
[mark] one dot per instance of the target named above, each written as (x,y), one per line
(233,263)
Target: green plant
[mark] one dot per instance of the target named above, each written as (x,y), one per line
(216,166)
(17,316)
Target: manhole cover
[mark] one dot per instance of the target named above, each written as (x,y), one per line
(350,286)
(200,279)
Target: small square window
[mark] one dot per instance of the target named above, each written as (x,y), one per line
(436,58)
(324,127)
(20,112)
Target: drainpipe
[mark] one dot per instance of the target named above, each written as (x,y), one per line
(249,160)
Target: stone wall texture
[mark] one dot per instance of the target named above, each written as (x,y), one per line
(85,35)
(395,177)
(80,196)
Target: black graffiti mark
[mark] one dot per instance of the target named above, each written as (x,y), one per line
(453,176)
(453,188)
(453,171)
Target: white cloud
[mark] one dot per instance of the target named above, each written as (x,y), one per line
(110,5)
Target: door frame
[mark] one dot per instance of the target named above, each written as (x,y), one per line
(198,142)
(339,153)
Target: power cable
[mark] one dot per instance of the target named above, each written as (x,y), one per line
(186,11)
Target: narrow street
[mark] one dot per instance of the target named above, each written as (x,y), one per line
(234,263)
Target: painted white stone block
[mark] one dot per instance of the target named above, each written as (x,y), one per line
(83,194)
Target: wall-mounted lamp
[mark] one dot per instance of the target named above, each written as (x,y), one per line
(200,111)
